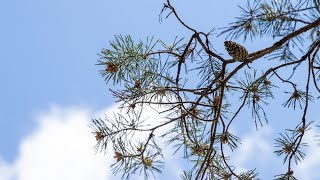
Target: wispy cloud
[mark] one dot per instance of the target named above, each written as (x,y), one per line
(309,168)
(256,151)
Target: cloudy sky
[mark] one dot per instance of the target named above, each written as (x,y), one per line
(50,87)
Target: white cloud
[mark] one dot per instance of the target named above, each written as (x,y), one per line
(309,167)
(152,118)
(256,151)
(61,147)
(6,172)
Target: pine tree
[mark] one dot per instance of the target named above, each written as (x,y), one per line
(152,72)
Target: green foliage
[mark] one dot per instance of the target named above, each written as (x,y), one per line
(196,89)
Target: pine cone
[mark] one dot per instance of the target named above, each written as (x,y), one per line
(236,51)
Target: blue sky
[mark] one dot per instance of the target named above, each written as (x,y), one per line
(48,50)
